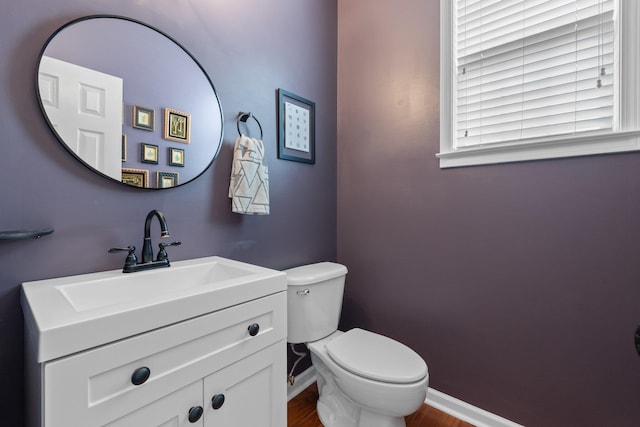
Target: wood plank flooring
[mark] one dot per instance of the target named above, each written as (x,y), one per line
(301,412)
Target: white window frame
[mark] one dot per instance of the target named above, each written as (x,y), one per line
(626,130)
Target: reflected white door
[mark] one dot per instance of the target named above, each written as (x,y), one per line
(85,108)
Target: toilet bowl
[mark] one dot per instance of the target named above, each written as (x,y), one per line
(364,379)
(366,401)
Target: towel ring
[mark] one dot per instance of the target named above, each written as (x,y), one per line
(243,117)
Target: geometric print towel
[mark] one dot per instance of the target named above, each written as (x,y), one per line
(249,186)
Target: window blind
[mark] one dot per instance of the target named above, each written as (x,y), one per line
(533,68)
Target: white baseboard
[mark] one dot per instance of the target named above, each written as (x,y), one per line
(437,399)
(466,412)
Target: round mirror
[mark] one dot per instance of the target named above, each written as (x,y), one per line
(129,102)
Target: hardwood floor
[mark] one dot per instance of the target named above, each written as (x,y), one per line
(301,412)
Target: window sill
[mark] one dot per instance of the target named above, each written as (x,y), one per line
(583,145)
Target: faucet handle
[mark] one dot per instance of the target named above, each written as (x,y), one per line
(131,259)
(162,254)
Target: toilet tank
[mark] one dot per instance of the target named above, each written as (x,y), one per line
(314,300)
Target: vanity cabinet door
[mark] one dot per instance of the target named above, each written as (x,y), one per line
(170,411)
(251,392)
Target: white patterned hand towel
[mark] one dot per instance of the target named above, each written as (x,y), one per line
(249,187)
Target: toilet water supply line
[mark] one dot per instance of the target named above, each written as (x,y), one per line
(291,378)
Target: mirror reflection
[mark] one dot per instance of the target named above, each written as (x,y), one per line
(129,102)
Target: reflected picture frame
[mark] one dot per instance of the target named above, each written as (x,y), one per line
(148,153)
(167,179)
(176,157)
(143,118)
(123,148)
(296,128)
(135,177)
(177,126)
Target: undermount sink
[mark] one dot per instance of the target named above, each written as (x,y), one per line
(75,313)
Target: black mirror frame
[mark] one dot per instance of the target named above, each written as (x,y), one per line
(59,138)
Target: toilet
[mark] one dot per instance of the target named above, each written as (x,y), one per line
(364,379)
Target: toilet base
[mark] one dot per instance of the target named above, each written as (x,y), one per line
(358,418)
(334,408)
(370,419)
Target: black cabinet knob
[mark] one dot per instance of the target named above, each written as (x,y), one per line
(254,329)
(140,375)
(637,340)
(217,401)
(195,413)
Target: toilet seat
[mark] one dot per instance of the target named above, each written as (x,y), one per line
(376,357)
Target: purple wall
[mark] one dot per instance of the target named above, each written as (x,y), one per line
(249,48)
(518,283)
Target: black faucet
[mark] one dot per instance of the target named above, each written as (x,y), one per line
(131,263)
(147,250)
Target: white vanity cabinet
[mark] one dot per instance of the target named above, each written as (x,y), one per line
(236,354)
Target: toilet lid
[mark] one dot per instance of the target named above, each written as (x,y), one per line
(376,357)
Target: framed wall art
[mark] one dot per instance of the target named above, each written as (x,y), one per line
(167,179)
(296,128)
(177,125)
(176,157)
(135,177)
(149,153)
(143,118)
(123,148)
